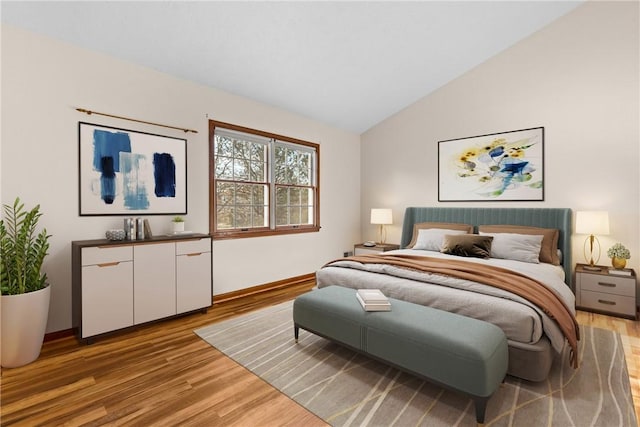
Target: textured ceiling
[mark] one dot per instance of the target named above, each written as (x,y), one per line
(347,64)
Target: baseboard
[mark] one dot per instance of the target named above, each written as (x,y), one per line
(263,288)
(51,336)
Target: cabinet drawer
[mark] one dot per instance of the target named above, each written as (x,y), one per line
(193,246)
(102,255)
(609,285)
(608,302)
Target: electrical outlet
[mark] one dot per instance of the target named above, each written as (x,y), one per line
(347,253)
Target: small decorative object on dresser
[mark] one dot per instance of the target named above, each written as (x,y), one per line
(178,224)
(116,234)
(606,292)
(362,249)
(619,255)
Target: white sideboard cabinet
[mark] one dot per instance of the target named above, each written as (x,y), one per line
(119,284)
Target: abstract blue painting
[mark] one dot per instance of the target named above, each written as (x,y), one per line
(126,172)
(497,166)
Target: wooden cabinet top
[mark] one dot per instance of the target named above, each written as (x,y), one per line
(154,239)
(604,271)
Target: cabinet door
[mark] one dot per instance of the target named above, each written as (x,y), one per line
(107,297)
(193,285)
(154,273)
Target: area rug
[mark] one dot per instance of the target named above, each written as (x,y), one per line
(345,388)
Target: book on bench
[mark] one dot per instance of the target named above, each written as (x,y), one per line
(373,300)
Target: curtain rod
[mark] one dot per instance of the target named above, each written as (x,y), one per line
(89,112)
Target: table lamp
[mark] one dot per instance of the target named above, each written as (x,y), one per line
(592,223)
(382,217)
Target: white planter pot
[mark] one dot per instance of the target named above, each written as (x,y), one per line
(178,227)
(24,322)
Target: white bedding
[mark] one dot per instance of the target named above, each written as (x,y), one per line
(521,321)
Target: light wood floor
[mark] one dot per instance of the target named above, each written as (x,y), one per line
(163,374)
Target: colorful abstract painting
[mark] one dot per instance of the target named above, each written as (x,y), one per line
(497,166)
(126,172)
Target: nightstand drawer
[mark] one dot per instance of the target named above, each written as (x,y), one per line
(609,285)
(363,251)
(610,303)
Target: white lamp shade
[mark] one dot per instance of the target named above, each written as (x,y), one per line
(381,216)
(592,222)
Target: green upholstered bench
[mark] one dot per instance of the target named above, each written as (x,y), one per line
(454,351)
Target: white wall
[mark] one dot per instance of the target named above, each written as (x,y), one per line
(44,80)
(578,78)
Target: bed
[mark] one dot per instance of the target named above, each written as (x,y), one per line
(506,237)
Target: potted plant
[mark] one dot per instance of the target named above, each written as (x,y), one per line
(24,289)
(619,255)
(178,224)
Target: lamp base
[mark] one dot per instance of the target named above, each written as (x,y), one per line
(590,268)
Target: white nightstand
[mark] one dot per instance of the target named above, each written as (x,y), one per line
(380,247)
(601,291)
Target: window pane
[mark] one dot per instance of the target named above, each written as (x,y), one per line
(259,217)
(282,215)
(259,194)
(224,193)
(225,217)
(304,169)
(241,170)
(243,194)
(294,196)
(223,146)
(282,196)
(293,167)
(294,218)
(259,153)
(258,172)
(243,216)
(305,196)
(241,150)
(224,168)
(280,167)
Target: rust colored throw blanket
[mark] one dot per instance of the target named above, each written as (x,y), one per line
(511,281)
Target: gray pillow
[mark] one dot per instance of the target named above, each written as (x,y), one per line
(430,239)
(518,247)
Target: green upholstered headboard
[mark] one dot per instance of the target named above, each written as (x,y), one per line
(559,218)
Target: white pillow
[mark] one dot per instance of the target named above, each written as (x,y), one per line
(430,239)
(517,247)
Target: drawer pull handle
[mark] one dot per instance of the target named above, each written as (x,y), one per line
(602,301)
(609,285)
(195,254)
(109,264)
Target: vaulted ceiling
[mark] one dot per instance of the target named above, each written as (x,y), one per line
(349,64)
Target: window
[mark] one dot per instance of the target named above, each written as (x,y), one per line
(262,184)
